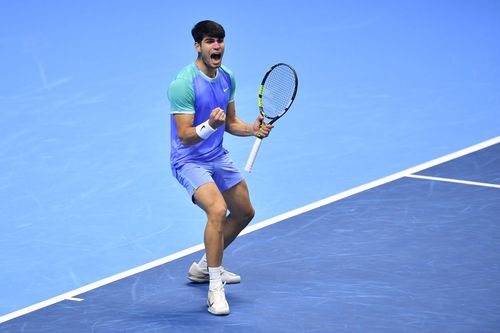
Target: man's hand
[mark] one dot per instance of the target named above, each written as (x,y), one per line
(261,129)
(217,118)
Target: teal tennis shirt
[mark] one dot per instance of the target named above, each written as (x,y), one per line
(192,92)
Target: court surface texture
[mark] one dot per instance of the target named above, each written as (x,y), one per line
(419,253)
(376,195)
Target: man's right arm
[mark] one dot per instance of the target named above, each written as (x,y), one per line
(190,134)
(185,129)
(181,96)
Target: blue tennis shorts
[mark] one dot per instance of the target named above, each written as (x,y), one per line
(220,170)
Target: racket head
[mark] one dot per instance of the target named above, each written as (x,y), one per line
(277,91)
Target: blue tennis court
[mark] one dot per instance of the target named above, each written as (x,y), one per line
(376,196)
(410,255)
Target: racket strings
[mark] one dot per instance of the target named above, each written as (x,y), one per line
(278,91)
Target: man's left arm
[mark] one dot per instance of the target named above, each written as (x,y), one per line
(236,126)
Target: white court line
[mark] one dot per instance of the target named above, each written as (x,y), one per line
(373,184)
(257,226)
(458,181)
(75,299)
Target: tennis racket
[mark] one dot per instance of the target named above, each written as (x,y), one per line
(276,94)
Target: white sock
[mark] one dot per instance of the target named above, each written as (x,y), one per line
(215,277)
(203,262)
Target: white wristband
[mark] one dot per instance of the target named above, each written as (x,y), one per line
(204,130)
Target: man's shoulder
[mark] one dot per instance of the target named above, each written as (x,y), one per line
(187,73)
(184,79)
(226,70)
(180,91)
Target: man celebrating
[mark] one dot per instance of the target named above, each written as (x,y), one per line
(202,109)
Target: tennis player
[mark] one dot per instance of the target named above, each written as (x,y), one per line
(202,109)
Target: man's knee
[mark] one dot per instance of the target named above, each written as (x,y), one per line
(245,216)
(250,214)
(217,212)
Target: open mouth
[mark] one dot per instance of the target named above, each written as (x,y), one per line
(215,56)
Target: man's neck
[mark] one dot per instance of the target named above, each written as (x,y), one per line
(210,72)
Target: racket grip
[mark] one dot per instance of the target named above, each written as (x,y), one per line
(253,155)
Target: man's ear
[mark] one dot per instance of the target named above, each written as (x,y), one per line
(197,47)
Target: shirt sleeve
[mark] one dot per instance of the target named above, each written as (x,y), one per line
(233,83)
(181,96)
(233,88)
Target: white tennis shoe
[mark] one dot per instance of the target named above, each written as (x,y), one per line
(200,275)
(217,304)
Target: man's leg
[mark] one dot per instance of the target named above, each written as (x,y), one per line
(241,211)
(237,200)
(208,198)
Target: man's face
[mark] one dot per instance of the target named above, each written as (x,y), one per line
(211,50)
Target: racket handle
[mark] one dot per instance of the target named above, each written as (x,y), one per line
(253,155)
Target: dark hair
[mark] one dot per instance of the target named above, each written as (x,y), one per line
(207,29)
